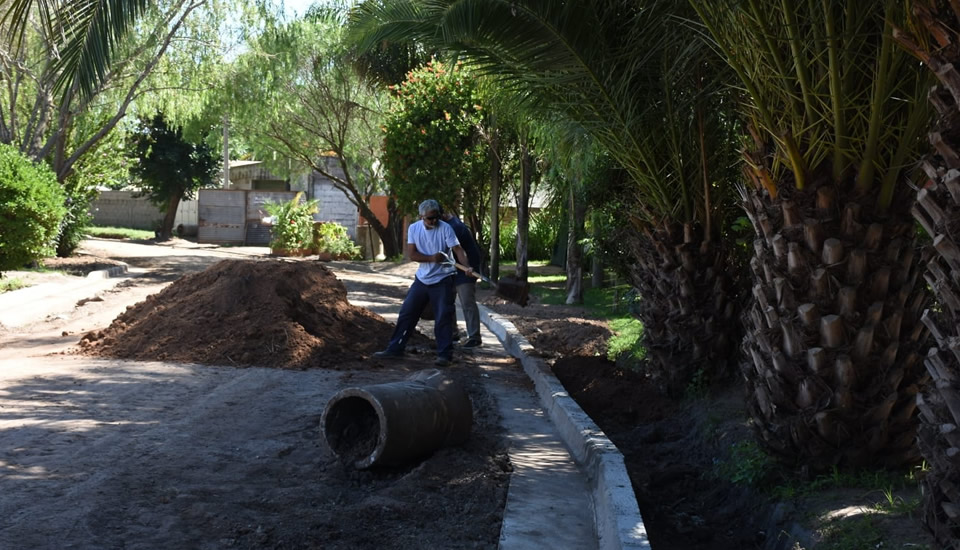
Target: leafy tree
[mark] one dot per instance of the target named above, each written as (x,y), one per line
(72,81)
(296,93)
(651,98)
(31,208)
(170,168)
(431,143)
(44,124)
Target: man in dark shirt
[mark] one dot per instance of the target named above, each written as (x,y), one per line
(466,284)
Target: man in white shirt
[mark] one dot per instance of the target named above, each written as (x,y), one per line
(427,240)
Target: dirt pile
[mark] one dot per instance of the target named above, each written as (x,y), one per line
(271,313)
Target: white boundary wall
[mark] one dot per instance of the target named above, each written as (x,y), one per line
(122,209)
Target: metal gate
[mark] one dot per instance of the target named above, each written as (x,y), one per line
(233,216)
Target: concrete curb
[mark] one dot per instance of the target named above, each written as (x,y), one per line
(619,525)
(108,273)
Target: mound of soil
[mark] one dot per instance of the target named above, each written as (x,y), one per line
(553,330)
(269,313)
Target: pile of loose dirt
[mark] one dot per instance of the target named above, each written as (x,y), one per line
(271,313)
(553,330)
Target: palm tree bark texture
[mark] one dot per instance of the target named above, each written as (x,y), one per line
(938,211)
(688,305)
(832,355)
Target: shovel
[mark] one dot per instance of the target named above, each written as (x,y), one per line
(510,289)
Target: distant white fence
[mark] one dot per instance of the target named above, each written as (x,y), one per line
(122,209)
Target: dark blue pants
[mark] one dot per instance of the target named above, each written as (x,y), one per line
(441,296)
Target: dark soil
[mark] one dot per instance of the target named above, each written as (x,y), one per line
(295,315)
(269,313)
(668,456)
(673,449)
(669,446)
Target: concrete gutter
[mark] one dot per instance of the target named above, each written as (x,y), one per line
(618,521)
(34,303)
(108,273)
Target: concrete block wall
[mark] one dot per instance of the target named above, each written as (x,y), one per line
(122,209)
(334,207)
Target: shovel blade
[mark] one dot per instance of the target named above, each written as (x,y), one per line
(514,290)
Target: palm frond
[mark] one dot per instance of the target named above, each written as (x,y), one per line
(826,84)
(84,34)
(606,65)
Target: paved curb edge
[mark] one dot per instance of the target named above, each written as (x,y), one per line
(108,273)
(617,516)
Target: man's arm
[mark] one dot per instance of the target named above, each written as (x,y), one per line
(416,256)
(462,258)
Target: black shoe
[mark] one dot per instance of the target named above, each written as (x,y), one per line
(471,343)
(443,362)
(388,354)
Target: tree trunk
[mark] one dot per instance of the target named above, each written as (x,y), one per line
(496,175)
(937,210)
(596,266)
(387,237)
(834,338)
(577,215)
(169,216)
(523,210)
(394,230)
(689,307)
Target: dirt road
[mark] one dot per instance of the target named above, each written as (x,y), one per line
(100,453)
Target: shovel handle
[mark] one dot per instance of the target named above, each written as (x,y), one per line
(465,269)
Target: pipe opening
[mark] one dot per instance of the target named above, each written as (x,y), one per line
(352,429)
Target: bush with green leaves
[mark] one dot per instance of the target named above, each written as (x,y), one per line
(73,227)
(540,241)
(332,238)
(432,148)
(292,223)
(31,209)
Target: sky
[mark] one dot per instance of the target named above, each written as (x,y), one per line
(295,8)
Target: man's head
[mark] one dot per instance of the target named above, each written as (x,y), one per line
(430,213)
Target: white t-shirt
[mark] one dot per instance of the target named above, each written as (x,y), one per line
(428,242)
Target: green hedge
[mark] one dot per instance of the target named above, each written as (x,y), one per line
(31,209)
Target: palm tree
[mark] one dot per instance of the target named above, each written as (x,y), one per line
(85,34)
(610,67)
(834,337)
(935,44)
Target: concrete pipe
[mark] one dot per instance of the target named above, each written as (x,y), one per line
(389,424)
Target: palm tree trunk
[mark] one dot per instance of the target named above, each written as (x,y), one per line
(688,307)
(937,209)
(834,337)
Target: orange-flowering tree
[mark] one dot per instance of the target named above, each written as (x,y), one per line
(432,146)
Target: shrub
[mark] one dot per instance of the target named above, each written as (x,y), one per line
(292,224)
(31,209)
(331,237)
(540,239)
(73,227)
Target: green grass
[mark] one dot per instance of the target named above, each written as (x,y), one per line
(627,334)
(8,285)
(103,232)
(608,303)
